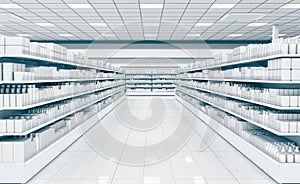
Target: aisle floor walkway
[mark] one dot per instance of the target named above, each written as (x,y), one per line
(200,157)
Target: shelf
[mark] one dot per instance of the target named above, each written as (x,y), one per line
(56,100)
(244,62)
(243,99)
(149,74)
(31,167)
(138,83)
(153,87)
(141,78)
(281,172)
(149,93)
(56,81)
(149,83)
(149,66)
(163,82)
(244,118)
(58,118)
(27,57)
(243,80)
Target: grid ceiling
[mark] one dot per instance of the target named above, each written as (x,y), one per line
(126,20)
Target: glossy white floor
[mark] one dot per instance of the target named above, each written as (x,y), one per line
(177,148)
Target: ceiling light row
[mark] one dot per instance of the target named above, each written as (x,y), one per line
(28,35)
(48,24)
(144,6)
(253,24)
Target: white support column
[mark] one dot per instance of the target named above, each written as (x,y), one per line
(275,32)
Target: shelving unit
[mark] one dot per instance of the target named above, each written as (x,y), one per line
(277,107)
(244,62)
(150,81)
(242,117)
(25,58)
(57,114)
(187,87)
(270,166)
(57,99)
(57,81)
(245,81)
(34,165)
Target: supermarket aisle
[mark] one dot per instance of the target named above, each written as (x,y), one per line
(151,152)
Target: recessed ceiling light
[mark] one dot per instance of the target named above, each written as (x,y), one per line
(10,6)
(80,6)
(66,35)
(235,35)
(45,24)
(291,6)
(204,24)
(143,6)
(256,24)
(222,6)
(97,24)
(24,35)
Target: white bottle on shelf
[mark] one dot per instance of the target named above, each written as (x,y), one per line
(290,155)
(281,155)
(296,155)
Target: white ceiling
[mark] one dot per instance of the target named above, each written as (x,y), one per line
(126,20)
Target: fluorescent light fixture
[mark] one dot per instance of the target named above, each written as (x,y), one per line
(103,180)
(291,6)
(199,180)
(193,34)
(80,6)
(279,35)
(144,6)
(98,24)
(10,6)
(256,24)
(235,35)
(24,35)
(242,17)
(66,35)
(204,24)
(108,35)
(188,159)
(45,24)
(222,6)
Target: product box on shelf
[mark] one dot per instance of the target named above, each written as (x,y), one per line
(7,151)
(10,125)
(20,125)
(16,45)
(35,49)
(3,126)
(296,63)
(24,149)
(283,74)
(45,137)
